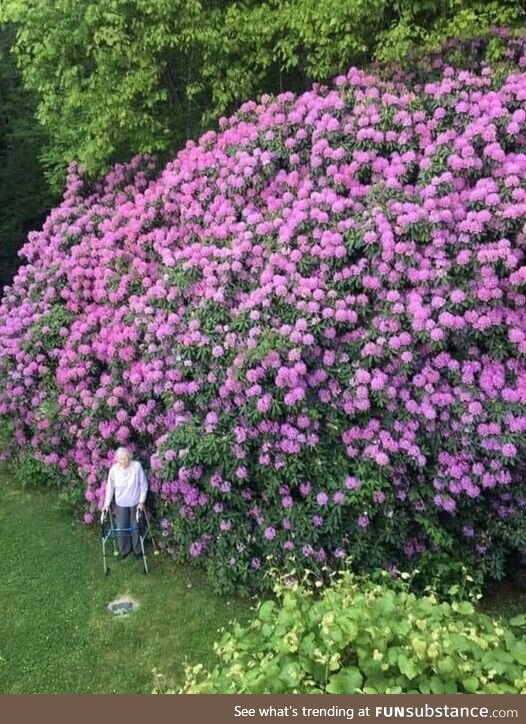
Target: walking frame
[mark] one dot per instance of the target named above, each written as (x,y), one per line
(108,530)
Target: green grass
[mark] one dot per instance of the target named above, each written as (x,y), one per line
(56,635)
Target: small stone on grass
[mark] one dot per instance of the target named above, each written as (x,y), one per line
(122,606)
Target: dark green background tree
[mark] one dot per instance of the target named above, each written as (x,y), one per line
(25,196)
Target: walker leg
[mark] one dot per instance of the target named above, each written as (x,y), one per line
(104,562)
(144,561)
(149,531)
(114,539)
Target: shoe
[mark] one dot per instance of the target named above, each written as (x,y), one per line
(122,556)
(138,556)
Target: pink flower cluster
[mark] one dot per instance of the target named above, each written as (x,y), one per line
(311,324)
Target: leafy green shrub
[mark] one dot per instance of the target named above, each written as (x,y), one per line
(7,432)
(27,471)
(364,637)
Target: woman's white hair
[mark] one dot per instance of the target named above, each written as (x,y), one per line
(123,451)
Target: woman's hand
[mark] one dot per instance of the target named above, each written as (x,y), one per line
(140,506)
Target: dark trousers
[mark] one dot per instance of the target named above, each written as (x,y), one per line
(126,518)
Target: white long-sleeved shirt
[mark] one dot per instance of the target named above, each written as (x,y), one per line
(129,484)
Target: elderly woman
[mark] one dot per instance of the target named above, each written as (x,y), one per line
(126,479)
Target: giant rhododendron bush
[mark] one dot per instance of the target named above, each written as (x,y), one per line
(310,327)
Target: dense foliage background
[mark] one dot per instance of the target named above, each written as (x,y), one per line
(25,196)
(117,78)
(100,82)
(310,325)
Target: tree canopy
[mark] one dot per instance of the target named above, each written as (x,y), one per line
(120,77)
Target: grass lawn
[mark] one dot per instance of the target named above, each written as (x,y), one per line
(56,635)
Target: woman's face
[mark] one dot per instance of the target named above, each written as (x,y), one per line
(123,460)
